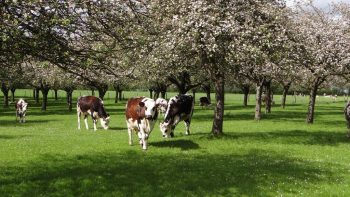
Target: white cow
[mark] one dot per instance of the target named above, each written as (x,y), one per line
(21,109)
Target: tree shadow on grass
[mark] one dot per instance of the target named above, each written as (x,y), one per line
(288,137)
(277,116)
(11,123)
(9,137)
(134,173)
(183,144)
(113,128)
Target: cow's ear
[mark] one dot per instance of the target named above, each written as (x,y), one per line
(141,104)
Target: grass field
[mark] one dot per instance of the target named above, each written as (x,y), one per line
(278,156)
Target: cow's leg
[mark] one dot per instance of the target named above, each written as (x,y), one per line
(95,121)
(21,118)
(139,134)
(86,122)
(187,124)
(130,134)
(24,117)
(16,116)
(172,131)
(176,121)
(143,138)
(78,115)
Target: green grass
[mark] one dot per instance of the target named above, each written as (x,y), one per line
(279,156)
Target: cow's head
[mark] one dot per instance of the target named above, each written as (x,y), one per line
(162,104)
(165,128)
(105,122)
(148,109)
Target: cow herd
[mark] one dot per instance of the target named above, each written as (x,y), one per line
(141,114)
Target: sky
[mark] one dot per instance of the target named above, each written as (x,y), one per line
(320,3)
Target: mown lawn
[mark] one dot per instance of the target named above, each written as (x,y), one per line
(278,156)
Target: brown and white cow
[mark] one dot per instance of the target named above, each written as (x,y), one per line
(141,114)
(93,106)
(21,109)
(180,107)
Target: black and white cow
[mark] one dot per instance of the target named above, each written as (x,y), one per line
(204,102)
(347,117)
(180,107)
(141,113)
(93,106)
(21,109)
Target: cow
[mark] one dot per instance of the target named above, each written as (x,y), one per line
(21,109)
(141,113)
(180,107)
(162,104)
(204,102)
(93,106)
(347,117)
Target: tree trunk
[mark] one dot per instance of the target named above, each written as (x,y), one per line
(156,94)
(245,100)
(116,97)
(259,88)
(56,97)
(101,93)
(37,91)
(245,90)
(219,108)
(34,94)
(120,95)
(13,90)
(5,90)
(44,103)
(312,101)
(150,93)
(45,91)
(118,90)
(162,94)
(69,99)
(6,99)
(284,95)
(206,89)
(92,92)
(268,96)
(194,95)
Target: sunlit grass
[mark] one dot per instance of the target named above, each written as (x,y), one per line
(279,156)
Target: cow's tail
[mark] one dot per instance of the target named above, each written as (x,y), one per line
(78,106)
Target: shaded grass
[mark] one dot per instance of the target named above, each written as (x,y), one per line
(278,156)
(255,173)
